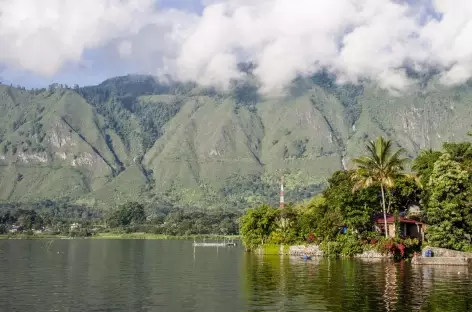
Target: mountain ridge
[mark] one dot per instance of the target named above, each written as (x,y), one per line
(133,138)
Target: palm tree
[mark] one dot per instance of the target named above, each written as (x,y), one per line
(381,166)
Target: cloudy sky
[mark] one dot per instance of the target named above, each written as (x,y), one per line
(87,41)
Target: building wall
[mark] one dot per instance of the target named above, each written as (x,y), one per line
(412,230)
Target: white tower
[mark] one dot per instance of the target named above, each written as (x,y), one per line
(282,192)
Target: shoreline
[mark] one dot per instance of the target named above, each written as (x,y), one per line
(315,251)
(441,256)
(117,236)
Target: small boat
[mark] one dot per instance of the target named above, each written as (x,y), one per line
(306,257)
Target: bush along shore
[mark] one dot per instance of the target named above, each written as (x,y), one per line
(349,217)
(348,247)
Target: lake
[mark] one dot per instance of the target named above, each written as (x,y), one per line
(153,275)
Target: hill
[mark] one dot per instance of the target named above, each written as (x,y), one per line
(176,144)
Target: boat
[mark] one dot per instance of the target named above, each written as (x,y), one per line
(306,257)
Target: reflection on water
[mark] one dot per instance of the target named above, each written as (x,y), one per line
(292,284)
(139,275)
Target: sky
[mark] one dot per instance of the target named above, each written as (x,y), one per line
(87,41)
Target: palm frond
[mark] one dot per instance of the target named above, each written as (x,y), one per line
(363,161)
(414,177)
(380,165)
(359,185)
(388,181)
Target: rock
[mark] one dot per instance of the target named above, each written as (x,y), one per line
(449,261)
(301,250)
(443,252)
(372,254)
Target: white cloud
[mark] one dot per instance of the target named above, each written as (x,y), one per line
(371,39)
(449,44)
(125,48)
(42,36)
(356,39)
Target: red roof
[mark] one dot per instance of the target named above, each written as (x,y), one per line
(391,219)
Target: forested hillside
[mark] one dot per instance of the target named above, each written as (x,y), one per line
(181,145)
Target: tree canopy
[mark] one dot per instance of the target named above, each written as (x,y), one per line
(381,166)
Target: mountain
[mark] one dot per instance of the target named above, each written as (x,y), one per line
(179,144)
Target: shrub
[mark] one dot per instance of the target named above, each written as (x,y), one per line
(344,245)
(310,238)
(398,248)
(83,232)
(276,238)
(331,248)
(350,245)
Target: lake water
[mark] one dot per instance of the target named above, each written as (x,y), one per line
(147,275)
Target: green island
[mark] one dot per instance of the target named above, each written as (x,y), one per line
(429,204)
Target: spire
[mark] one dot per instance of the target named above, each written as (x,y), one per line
(282,192)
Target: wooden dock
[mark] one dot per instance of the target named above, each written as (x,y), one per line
(214,244)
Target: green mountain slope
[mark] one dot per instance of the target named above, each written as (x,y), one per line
(132,138)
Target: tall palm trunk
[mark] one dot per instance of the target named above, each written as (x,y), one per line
(384,210)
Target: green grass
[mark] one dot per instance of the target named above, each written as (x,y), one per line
(269,249)
(31,237)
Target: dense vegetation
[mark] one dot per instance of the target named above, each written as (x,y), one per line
(441,185)
(59,218)
(136,138)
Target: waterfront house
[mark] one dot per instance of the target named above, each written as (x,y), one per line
(16,228)
(74,226)
(39,231)
(408,227)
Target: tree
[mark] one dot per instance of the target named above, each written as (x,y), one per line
(286,224)
(449,207)
(128,214)
(257,225)
(424,164)
(28,219)
(311,214)
(356,208)
(459,151)
(407,191)
(381,166)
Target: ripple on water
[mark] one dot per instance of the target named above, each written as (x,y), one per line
(134,275)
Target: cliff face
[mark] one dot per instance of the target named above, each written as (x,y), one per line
(133,138)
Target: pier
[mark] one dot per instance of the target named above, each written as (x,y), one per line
(214,244)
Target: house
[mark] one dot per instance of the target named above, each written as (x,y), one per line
(39,231)
(16,228)
(408,227)
(74,226)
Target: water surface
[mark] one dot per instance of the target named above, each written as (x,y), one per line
(148,275)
